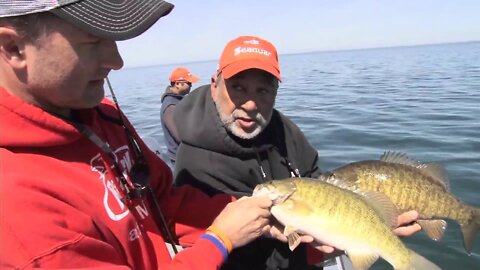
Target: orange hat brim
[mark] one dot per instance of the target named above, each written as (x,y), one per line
(239,66)
(192,79)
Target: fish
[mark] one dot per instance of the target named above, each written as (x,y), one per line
(411,185)
(359,224)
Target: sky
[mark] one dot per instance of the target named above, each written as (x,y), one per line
(197,30)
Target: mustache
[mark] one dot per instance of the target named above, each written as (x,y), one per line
(257,116)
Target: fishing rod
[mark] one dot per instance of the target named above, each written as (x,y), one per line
(142,185)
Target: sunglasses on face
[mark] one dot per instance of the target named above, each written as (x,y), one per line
(181,83)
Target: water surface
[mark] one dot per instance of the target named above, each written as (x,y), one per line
(354,105)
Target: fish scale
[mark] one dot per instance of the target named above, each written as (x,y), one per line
(430,202)
(339,218)
(411,185)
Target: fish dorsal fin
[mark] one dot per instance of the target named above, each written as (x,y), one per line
(399,158)
(361,260)
(292,237)
(434,228)
(383,206)
(437,172)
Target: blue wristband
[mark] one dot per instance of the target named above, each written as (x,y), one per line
(217,243)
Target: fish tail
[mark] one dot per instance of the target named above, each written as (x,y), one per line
(418,262)
(470,229)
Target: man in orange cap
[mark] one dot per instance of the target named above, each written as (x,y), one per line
(233,139)
(181,81)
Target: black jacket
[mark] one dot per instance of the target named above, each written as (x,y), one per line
(169,98)
(215,161)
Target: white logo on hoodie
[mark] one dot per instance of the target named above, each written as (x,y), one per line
(115,208)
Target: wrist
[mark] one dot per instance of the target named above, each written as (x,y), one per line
(222,236)
(218,243)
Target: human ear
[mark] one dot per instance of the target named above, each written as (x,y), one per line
(12,48)
(213,88)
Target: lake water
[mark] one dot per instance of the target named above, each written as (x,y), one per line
(354,105)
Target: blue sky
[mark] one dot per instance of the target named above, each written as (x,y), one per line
(198,30)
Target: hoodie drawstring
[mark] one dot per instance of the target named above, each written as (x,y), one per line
(294,171)
(264,175)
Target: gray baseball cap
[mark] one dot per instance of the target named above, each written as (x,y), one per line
(111,19)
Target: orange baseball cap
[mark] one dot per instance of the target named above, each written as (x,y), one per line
(246,52)
(182,74)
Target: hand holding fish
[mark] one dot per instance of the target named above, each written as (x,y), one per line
(407,224)
(411,184)
(360,225)
(406,227)
(276,231)
(244,220)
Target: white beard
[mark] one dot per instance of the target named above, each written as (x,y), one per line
(230,124)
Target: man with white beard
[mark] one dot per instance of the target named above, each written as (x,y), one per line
(232,138)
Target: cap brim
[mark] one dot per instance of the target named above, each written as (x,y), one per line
(113,20)
(192,79)
(239,66)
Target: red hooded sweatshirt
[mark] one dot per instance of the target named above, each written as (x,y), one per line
(60,203)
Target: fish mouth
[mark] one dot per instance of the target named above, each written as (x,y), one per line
(281,199)
(260,190)
(326,176)
(275,194)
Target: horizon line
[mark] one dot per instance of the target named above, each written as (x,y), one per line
(319,51)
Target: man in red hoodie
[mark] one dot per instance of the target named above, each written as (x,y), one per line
(79,188)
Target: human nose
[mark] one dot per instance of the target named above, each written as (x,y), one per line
(111,57)
(250,105)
